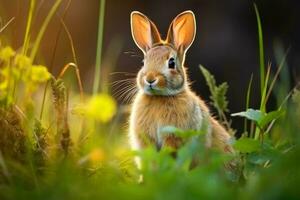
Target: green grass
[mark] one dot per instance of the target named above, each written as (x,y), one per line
(43,29)
(71,153)
(99,47)
(261,59)
(28,27)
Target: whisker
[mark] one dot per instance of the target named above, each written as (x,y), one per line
(133,54)
(123,90)
(119,89)
(123,80)
(126,93)
(123,73)
(130,95)
(129,92)
(119,84)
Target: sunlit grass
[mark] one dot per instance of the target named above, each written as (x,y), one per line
(43,29)
(99,48)
(261,59)
(79,149)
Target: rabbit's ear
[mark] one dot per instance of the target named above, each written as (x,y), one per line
(182,31)
(144,31)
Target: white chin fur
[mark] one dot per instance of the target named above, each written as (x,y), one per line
(161,92)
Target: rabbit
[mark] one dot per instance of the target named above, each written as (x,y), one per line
(164,97)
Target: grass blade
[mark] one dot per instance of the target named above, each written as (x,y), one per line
(263,98)
(43,29)
(261,55)
(28,27)
(282,63)
(53,56)
(248,100)
(70,41)
(6,25)
(99,47)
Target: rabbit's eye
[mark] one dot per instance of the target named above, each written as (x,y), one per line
(172,63)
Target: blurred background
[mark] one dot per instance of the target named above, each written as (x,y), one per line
(226,42)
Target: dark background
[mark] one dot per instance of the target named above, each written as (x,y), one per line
(226,41)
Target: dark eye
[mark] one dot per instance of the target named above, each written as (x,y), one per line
(172,63)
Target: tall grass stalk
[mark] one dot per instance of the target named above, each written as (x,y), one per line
(261,66)
(6,25)
(28,27)
(58,35)
(43,29)
(53,56)
(77,71)
(70,41)
(248,102)
(99,47)
(282,63)
(261,56)
(263,98)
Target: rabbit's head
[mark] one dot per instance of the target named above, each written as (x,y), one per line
(163,72)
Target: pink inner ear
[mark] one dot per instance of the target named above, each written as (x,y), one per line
(145,33)
(183,30)
(141,31)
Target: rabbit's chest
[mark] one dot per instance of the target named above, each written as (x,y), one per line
(152,116)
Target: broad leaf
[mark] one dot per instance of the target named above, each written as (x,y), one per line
(246,145)
(270,117)
(254,115)
(179,132)
(261,119)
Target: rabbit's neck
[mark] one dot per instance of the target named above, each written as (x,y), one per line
(179,95)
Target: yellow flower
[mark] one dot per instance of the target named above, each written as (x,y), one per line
(39,73)
(3,84)
(6,53)
(97,155)
(4,78)
(22,61)
(101,107)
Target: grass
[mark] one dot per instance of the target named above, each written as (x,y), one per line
(261,58)
(70,153)
(43,29)
(28,27)
(99,48)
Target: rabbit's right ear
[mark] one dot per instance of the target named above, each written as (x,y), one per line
(144,31)
(182,31)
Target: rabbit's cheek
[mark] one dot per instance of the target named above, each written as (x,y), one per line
(161,82)
(176,82)
(140,81)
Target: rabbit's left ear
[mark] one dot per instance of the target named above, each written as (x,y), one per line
(144,31)
(182,31)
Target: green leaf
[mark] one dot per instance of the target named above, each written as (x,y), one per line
(179,132)
(220,96)
(296,96)
(251,114)
(218,93)
(247,145)
(270,117)
(261,119)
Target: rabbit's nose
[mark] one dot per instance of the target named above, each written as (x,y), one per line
(150,81)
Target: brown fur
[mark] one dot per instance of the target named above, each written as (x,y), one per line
(169,102)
